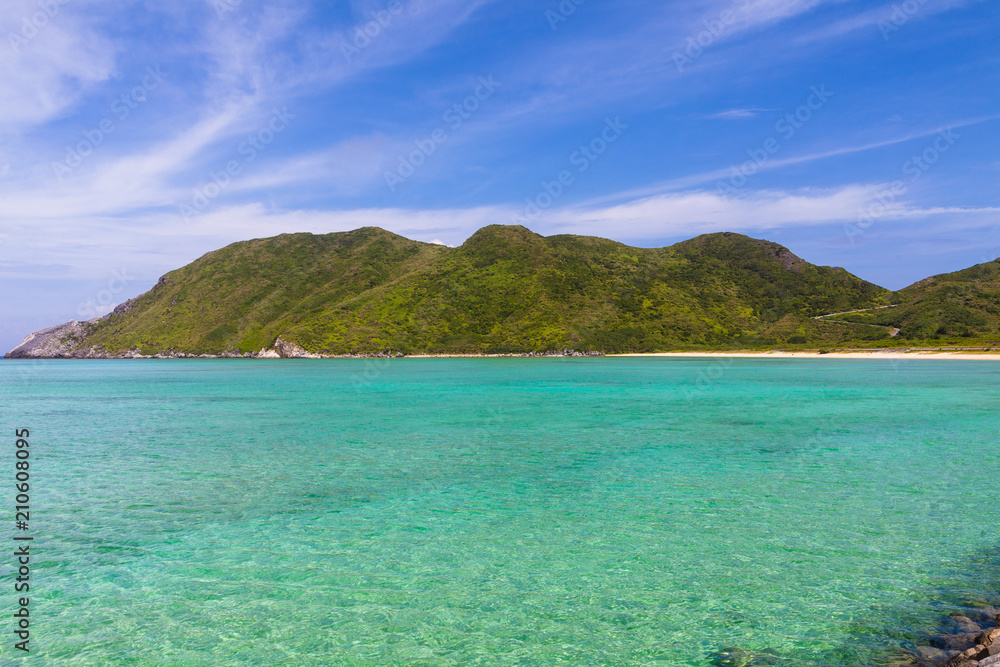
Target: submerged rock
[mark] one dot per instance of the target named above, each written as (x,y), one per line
(969,639)
(934,656)
(962,623)
(954,642)
(741,657)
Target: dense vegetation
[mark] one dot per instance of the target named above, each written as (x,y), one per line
(959,308)
(506,289)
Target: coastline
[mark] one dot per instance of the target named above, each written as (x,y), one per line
(66,341)
(980,355)
(859,354)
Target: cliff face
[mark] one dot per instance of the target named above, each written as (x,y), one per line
(505,290)
(57,342)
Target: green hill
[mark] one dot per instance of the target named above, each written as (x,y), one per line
(506,289)
(955,306)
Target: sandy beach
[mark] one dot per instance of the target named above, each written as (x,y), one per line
(867,354)
(981,355)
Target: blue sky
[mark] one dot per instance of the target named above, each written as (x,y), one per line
(136,136)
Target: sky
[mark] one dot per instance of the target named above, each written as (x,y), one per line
(135,136)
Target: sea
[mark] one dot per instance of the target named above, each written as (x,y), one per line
(498,511)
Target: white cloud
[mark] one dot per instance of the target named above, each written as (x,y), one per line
(760,12)
(254,57)
(49,58)
(696,212)
(735,114)
(890,16)
(345,168)
(153,243)
(725,173)
(157,242)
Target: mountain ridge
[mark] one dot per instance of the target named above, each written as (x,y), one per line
(506,289)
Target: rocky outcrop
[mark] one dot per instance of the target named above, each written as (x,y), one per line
(59,342)
(123,308)
(971,639)
(69,341)
(287,350)
(560,353)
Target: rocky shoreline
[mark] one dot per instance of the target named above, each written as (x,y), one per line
(970,638)
(67,341)
(272,353)
(966,639)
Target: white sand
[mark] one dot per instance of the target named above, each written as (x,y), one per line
(772,354)
(873,354)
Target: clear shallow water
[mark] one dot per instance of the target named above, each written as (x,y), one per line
(502,512)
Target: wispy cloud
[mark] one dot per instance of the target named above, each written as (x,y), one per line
(254,56)
(699,211)
(49,59)
(327,58)
(84,243)
(686,182)
(736,114)
(888,14)
(348,167)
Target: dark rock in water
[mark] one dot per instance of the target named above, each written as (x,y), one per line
(929,654)
(985,615)
(969,638)
(740,657)
(957,642)
(962,623)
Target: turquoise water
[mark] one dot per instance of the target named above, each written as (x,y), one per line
(629,511)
